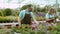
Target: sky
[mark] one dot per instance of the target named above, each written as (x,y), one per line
(15,3)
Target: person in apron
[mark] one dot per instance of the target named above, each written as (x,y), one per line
(26,16)
(50,15)
(27,19)
(50,18)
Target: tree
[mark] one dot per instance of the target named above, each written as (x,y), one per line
(7,12)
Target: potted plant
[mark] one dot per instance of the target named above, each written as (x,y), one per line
(16,29)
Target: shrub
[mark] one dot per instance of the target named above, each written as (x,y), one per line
(7,12)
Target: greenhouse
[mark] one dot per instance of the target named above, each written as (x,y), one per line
(29,16)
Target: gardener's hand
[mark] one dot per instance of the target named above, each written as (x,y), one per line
(19,21)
